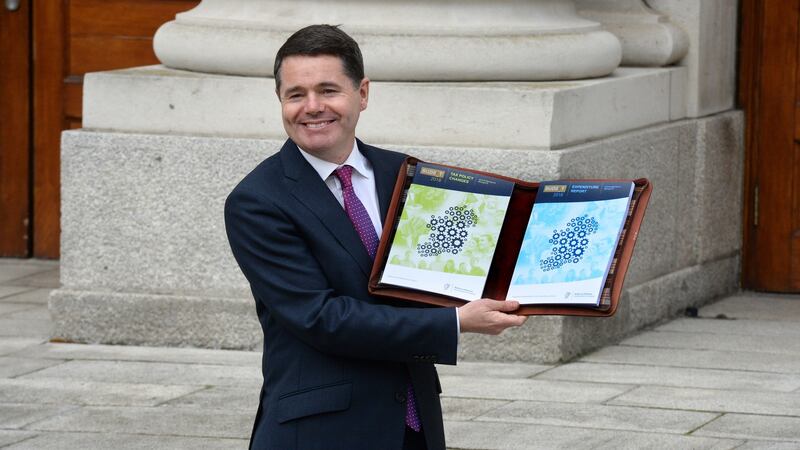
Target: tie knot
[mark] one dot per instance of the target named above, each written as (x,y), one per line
(345,174)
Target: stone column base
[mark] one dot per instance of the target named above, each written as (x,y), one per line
(145,259)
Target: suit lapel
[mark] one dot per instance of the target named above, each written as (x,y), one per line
(310,190)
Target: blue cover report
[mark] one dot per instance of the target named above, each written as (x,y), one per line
(570,241)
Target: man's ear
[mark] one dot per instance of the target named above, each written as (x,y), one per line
(363,91)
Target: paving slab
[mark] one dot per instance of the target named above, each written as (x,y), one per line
(105,441)
(701,359)
(11,366)
(28,295)
(468,408)
(7,308)
(18,415)
(492,369)
(28,312)
(6,291)
(10,272)
(13,344)
(153,373)
(673,376)
(220,397)
(748,327)
(756,306)
(599,416)
(712,400)
(25,328)
(504,436)
(712,341)
(42,279)
(71,392)
(147,354)
(753,427)
(43,264)
(153,421)
(8,437)
(524,389)
(768,445)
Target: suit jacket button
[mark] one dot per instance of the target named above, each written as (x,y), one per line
(400,397)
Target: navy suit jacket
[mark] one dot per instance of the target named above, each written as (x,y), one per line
(336,360)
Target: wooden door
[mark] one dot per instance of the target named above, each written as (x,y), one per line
(54,43)
(15,51)
(769,93)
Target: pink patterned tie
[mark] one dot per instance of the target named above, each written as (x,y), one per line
(412,418)
(366,231)
(356,211)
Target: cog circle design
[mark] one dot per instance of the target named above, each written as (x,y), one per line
(569,243)
(448,232)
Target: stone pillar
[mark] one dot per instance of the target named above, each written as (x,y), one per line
(712,27)
(436,40)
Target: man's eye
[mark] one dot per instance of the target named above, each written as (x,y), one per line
(328,91)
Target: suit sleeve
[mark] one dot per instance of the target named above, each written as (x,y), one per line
(287,279)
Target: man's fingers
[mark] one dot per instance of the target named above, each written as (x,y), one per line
(513,320)
(502,321)
(489,316)
(501,305)
(510,305)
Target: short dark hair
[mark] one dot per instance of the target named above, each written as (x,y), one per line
(315,40)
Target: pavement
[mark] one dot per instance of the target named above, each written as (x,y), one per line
(729,378)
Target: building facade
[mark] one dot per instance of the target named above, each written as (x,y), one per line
(533,89)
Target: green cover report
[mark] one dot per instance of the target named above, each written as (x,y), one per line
(447,232)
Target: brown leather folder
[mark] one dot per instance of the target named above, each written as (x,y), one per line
(508,247)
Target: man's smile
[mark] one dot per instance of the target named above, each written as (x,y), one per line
(318,124)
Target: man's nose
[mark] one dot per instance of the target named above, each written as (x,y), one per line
(314,104)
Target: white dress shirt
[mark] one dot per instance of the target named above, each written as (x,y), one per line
(363,181)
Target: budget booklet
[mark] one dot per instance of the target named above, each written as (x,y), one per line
(448,231)
(454,234)
(570,242)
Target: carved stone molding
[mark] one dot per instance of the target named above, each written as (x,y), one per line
(648,38)
(402,40)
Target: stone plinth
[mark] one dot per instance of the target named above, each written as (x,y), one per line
(521,115)
(145,259)
(450,40)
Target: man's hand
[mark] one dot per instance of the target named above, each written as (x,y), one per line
(489,316)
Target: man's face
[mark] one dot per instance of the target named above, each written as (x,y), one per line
(320,105)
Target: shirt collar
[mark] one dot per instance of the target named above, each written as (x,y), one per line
(356,160)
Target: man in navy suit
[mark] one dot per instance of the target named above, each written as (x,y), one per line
(342,369)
